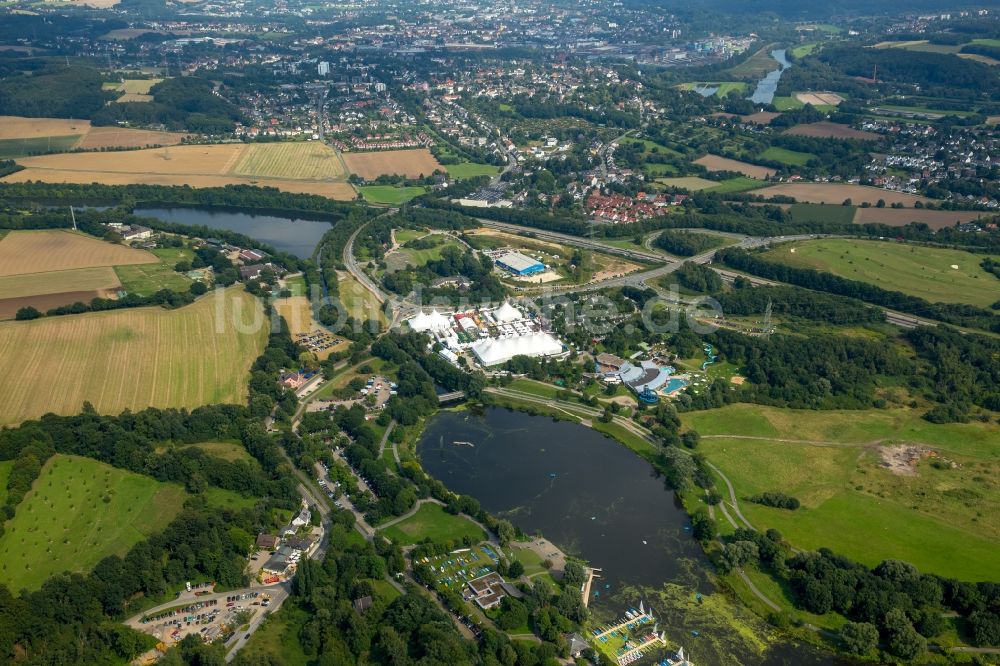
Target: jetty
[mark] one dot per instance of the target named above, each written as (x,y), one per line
(650,640)
(632,619)
(592,573)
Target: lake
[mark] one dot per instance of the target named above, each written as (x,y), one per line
(767,86)
(287,234)
(597,500)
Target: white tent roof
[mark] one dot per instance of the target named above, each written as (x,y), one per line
(500,350)
(429,322)
(507,312)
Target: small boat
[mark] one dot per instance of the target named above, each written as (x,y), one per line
(463,443)
(695,633)
(643,543)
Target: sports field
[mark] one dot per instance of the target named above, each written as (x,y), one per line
(134,358)
(389,194)
(432,522)
(78,512)
(299,167)
(471,170)
(411,163)
(23,252)
(935,274)
(835,193)
(939,517)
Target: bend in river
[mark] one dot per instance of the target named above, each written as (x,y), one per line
(767,86)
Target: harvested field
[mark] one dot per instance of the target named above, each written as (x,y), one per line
(125,34)
(16,127)
(717,163)
(120,137)
(135,358)
(410,163)
(835,193)
(196,166)
(993,120)
(819,99)
(297,313)
(24,252)
(896,217)
(54,282)
(134,98)
(45,302)
(294,161)
(138,86)
(986,60)
(829,130)
(761,117)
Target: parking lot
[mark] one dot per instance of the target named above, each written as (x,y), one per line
(213,618)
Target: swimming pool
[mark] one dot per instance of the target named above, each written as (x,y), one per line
(675,384)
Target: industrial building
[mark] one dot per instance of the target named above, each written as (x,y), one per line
(519,264)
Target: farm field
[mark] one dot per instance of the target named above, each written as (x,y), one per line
(131,358)
(761,117)
(830,130)
(300,160)
(691,183)
(55,282)
(389,194)
(410,163)
(835,193)
(911,269)
(785,156)
(939,518)
(78,512)
(717,163)
(42,135)
(431,521)
(196,166)
(17,127)
(806,212)
(896,217)
(40,251)
(11,148)
(471,170)
(124,137)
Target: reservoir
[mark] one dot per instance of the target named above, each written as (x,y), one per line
(292,235)
(767,86)
(597,500)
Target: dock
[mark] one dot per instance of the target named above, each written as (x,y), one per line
(649,640)
(633,618)
(585,589)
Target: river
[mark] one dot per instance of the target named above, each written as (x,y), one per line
(767,86)
(287,234)
(597,500)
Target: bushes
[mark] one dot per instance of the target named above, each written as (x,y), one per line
(776,500)
(685,243)
(697,278)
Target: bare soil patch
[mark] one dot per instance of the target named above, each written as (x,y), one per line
(718,163)
(830,130)
(898,217)
(761,117)
(902,459)
(836,193)
(819,99)
(410,163)
(43,302)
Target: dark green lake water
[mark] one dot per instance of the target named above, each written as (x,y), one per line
(597,500)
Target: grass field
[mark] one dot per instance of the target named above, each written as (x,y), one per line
(471,170)
(11,148)
(150,278)
(300,160)
(77,512)
(935,219)
(786,103)
(360,303)
(5,467)
(785,156)
(690,183)
(738,184)
(941,520)
(431,521)
(55,282)
(804,212)
(277,639)
(23,252)
(388,194)
(919,271)
(230,451)
(723,88)
(410,163)
(803,50)
(756,66)
(134,358)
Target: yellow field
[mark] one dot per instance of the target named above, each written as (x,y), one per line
(56,250)
(290,167)
(131,359)
(718,163)
(134,97)
(56,282)
(295,161)
(16,127)
(297,313)
(410,163)
(124,137)
(138,86)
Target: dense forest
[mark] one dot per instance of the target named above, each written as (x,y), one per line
(54,90)
(183,103)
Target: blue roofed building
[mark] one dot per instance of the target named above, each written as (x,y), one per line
(519,264)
